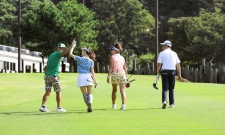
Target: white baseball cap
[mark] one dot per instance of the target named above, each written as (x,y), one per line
(61,45)
(167,42)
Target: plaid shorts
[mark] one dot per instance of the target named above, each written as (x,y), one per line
(52,81)
(118,77)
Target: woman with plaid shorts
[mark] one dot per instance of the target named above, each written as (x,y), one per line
(118,74)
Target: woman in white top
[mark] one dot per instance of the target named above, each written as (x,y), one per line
(118,74)
(85,68)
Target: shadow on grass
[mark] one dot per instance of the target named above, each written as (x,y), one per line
(144,109)
(41,113)
(71,111)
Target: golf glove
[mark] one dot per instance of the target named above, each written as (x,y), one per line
(74,44)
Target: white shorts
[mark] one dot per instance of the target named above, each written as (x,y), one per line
(83,79)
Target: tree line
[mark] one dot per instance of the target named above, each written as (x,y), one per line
(195,27)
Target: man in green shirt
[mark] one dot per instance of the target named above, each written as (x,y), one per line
(52,76)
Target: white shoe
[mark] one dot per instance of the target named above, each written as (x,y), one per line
(60,110)
(113,106)
(164,105)
(123,107)
(44,109)
(171,106)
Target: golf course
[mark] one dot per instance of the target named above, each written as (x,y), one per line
(199,108)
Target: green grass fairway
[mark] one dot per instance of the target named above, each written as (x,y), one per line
(199,108)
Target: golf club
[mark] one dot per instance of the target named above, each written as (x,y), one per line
(131,80)
(154,85)
(129,77)
(93,79)
(128,83)
(131,74)
(92,82)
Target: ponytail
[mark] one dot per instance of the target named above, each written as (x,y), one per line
(90,53)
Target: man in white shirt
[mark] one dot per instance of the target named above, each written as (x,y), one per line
(168,62)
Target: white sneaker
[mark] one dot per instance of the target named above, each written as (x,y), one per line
(164,105)
(123,107)
(171,106)
(113,106)
(44,109)
(60,110)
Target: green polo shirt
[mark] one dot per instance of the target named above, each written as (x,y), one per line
(53,64)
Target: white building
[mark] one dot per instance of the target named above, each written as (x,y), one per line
(30,61)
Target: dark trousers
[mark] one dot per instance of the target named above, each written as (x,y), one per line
(168,83)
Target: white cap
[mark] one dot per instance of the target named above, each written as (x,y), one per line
(167,42)
(61,45)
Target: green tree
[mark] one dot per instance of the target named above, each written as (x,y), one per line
(145,58)
(47,24)
(206,37)
(221,5)
(178,36)
(199,37)
(123,21)
(175,9)
(8,21)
